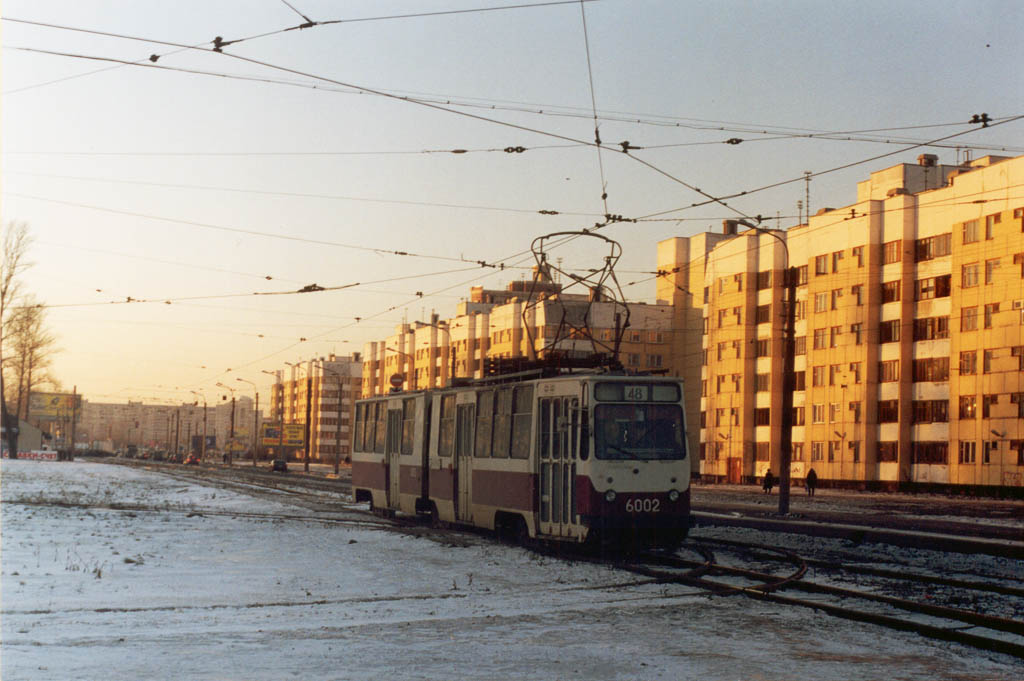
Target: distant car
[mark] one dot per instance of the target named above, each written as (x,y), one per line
(192,460)
(279,465)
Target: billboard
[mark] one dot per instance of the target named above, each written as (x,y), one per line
(294,435)
(53,406)
(270,434)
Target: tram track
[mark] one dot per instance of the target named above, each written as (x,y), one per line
(951,626)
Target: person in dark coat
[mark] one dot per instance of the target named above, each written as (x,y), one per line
(810,482)
(769,481)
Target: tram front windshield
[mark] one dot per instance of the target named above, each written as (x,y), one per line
(639,431)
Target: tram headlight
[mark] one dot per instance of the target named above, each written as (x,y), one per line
(609,496)
(673,495)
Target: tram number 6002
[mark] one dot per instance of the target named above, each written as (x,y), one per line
(643,505)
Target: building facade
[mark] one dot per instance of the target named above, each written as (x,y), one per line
(529,320)
(329,387)
(909,347)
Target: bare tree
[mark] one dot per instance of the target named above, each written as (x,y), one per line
(30,349)
(14,242)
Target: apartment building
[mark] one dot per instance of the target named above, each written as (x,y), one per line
(528,320)
(909,346)
(329,387)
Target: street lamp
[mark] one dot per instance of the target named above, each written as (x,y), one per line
(309,401)
(202,451)
(231,438)
(788,376)
(255,421)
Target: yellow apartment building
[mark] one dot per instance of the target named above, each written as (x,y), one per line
(909,333)
(506,325)
(334,384)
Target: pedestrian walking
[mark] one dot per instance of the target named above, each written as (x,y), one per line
(810,482)
(769,481)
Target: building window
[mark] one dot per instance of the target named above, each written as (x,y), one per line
(933,287)
(820,338)
(889,371)
(858,253)
(738,278)
(888,451)
(932,247)
(762,451)
(821,265)
(654,361)
(990,312)
(855,371)
(834,448)
(821,302)
(968,407)
(837,293)
(798,416)
(737,313)
(991,447)
(986,405)
(970,231)
(818,376)
(835,372)
(890,292)
(762,416)
(968,363)
(967,452)
(855,450)
(856,330)
(990,225)
(764,348)
(931,328)
(968,318)
(835,410)
(857,292)
(1018,352)
(800,345)
(931,369)
(990,270)
(800,380)
(764,314)
(889,332)
(801,275)
(762,383)
(817,451)
(931,452)
(818,413)
(855,411)
(764,280)
(836,257)
(1018,399)
(798,451)
(986,361)
(969,275)
(931,411)
(888,411)
(892,252)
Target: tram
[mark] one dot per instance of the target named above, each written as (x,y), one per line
(597,458)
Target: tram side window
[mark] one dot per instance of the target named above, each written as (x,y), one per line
(381,430)
(502,424)
(521,422)
(464,423)
(360,421)
(446,438)
(544,429)
(408,425)
(584,434)
(484,422)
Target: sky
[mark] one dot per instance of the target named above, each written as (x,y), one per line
(203,180)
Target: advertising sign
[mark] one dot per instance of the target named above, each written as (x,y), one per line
(270,434)
(294,435)
(53,406)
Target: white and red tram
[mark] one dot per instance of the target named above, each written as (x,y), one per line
(596,458)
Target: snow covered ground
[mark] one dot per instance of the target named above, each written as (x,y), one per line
(116,573)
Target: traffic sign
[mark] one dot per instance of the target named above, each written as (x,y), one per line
(397,380)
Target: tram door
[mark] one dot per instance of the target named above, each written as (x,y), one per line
(465,419)
(393,450)
(556,456)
